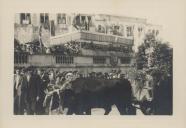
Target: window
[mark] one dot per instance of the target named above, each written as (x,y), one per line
(129,31)
(140,29)
(82,19)
(61,18)
(77,20)
(89,21)
(44,18)
(125,60)
(116,27)
(116,30)
(52,28)
(99,60)
(25,18)
(20,58)
(64,59)
(99,28)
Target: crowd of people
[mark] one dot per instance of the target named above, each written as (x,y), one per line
(69,48)
(74,47)
(34,88)
(93,46)
(31,47)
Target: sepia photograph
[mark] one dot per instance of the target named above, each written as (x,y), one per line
(91,64)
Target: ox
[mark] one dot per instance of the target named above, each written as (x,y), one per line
(87,93)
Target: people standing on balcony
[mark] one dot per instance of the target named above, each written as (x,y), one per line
(25,18)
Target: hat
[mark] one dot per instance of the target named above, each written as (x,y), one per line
(30,68)
(17,70)
(75,71)
(67,75)
(23,70)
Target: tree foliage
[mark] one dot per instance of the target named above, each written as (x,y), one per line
(160,58)
(159,66)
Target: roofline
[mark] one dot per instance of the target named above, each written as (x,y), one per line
(157,25)
(125,17)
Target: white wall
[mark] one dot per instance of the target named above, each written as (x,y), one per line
(41,60)
(35,19)
(17,18)
(83,60)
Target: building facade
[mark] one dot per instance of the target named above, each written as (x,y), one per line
(99,42)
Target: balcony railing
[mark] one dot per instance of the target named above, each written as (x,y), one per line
(90,36)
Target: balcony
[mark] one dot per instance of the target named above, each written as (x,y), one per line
(85,52)
(89,36)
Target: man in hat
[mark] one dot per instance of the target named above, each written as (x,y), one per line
(126,84)
(75,75)
(65,85)
(20,92)
(43,80)
(34,86)
(69,77)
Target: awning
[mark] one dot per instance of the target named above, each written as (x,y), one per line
(89,36)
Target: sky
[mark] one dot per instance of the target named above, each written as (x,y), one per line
(168,13)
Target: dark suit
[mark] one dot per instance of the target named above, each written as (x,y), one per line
(34,84)
(44,80)
(20,94)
